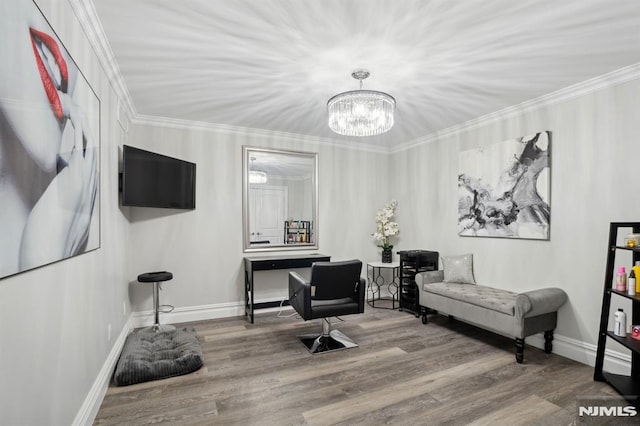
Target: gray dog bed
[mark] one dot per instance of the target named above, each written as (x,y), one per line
(151,356)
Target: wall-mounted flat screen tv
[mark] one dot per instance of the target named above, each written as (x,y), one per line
(154,180)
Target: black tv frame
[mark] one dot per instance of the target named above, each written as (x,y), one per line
(157,159)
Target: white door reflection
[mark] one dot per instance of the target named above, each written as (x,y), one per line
(267,227)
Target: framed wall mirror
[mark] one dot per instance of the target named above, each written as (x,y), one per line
(280,200)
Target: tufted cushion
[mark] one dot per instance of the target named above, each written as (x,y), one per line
(458,269)
(485,297)
(151,356)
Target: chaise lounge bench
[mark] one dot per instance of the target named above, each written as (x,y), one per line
(504,312)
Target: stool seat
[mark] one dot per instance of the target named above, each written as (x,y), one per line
(154,277)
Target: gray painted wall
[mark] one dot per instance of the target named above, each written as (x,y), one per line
(203,247)
(54,320)
(594,181)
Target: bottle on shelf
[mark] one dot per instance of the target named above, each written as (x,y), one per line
(636,269)
(632,240)
(621,279)
(631,283)
(620,327)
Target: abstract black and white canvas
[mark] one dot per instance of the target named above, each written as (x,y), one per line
(504,189)
(49,146)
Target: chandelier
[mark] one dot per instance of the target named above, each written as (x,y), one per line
(256,176)
(361,112)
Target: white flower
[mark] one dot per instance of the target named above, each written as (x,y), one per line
(385,228)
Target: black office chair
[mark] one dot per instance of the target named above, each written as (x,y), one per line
(335,289)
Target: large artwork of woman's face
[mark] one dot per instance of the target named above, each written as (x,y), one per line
(49,146)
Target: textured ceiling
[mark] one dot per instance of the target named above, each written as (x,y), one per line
(273,64)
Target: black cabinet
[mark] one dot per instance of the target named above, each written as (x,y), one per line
(627,385)
(411,263)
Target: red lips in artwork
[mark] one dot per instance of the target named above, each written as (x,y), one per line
(43,43)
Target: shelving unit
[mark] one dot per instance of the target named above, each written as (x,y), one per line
(297,231)
(627,385)
(411,263)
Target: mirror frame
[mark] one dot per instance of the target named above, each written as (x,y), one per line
(247,151)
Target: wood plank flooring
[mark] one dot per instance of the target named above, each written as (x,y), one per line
(403,373)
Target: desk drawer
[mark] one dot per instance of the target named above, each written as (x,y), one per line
(269,264)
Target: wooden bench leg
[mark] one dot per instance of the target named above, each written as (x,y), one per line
(548,339)
(519,350)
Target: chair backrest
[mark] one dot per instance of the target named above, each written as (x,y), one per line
(335,280)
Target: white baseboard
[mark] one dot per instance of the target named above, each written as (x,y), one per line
(583,352)
(199,313)
(89,409)
(190,313)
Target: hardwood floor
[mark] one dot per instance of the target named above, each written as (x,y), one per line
(403,373)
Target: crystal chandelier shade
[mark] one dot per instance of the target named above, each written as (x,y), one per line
(361,112)
(256,176)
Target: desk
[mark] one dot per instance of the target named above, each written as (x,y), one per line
(269,263)
(376,280)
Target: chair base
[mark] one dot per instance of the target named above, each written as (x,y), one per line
(158,328)
(319,343)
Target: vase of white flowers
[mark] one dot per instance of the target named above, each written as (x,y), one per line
(385,229)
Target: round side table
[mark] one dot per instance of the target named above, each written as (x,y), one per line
(377,279)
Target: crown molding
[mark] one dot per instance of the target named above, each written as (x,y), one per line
(613,78)
(174,123)
(88,18)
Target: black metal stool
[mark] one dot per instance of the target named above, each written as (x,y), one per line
(156,278)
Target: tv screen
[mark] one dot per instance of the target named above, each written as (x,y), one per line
(154,180)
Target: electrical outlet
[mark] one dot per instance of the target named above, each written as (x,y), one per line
(109,332)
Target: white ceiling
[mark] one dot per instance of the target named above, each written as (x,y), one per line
(273,64)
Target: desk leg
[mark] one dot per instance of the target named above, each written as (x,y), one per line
(251,296)
(248,294)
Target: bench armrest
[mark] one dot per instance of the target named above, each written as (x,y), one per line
(429,277)
(538,302)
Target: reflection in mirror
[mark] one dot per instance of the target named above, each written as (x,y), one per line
(280,200)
